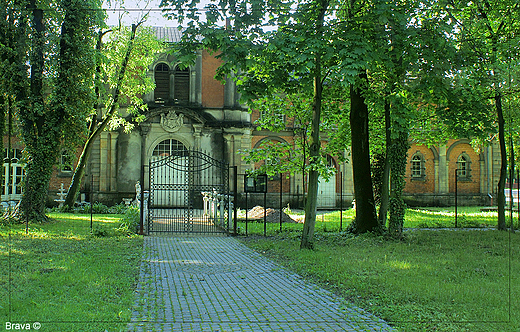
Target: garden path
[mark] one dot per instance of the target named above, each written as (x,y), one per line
(215,283)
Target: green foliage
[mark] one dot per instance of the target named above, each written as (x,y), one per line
(377,168)
(99,208)
(135,84)
(130,221)
(397,206)
(487,37)
(118,86)
(120,208)
(49,63)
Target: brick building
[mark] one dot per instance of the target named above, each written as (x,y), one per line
(189,109)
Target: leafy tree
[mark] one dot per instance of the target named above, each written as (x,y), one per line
(8,63)
(488,36)
(289,59)
(125,83)
(391,93)
(51,87)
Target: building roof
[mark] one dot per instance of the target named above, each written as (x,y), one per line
(168,34)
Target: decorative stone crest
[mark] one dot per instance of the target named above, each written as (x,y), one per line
(172,122)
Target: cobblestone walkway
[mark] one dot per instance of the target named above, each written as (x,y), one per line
(218,284)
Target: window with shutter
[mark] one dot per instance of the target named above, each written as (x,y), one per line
(162,83)
(182,85)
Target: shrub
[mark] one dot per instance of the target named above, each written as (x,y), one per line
(130,221)
(118,208)
(100,208)
(103,231)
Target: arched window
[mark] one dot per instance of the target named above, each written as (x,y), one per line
(181,89)
(169,147)
(418,169)
(463,167)
(162,83)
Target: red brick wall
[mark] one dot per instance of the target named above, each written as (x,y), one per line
(212,90)
(16,143)
(58,177)
(464,187)
(426,185)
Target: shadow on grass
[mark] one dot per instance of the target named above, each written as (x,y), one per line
(433,280)
(66,279)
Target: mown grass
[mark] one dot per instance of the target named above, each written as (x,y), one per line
(68,280)
(467,217)
(433,280)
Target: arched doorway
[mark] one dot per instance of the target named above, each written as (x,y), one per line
(169,196)
(188,191)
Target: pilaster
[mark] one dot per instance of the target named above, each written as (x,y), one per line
(198,79)
(144,130)
(197,134)
(230,148)
(103,161)
(113,160)
(443,170)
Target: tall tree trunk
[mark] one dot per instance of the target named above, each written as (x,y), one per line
(385,181)
(81,166)
(5,106)
(37,178)
(314,155)
(397,159)
(366,220)
(314,143)
(501,197)
(38,170)
(95,131)
(79,173)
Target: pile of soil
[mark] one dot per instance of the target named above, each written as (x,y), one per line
(272,215)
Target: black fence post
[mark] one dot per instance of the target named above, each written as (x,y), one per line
(141,204)
(245,191)
(281,203)
(265,213)
(340,201)
(91,197)
(456,193)
(235,198)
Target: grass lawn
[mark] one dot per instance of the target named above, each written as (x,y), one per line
(467,217)
(65,278)
(434,280)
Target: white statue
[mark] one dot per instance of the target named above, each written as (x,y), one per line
(137,200)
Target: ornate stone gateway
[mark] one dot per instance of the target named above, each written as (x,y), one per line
(189,193)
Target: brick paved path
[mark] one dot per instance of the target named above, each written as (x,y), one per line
(218,284)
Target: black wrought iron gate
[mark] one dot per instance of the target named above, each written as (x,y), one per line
(189,192)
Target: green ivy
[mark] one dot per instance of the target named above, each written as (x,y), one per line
(48,76)
(397,207)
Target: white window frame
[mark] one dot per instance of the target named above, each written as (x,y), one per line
(417,173)
(13,176)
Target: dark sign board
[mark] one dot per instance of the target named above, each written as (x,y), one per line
(256,184)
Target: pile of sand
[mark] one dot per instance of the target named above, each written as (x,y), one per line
(272,215)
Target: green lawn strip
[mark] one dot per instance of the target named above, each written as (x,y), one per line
(435,280)
(67,279)
(467,217)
